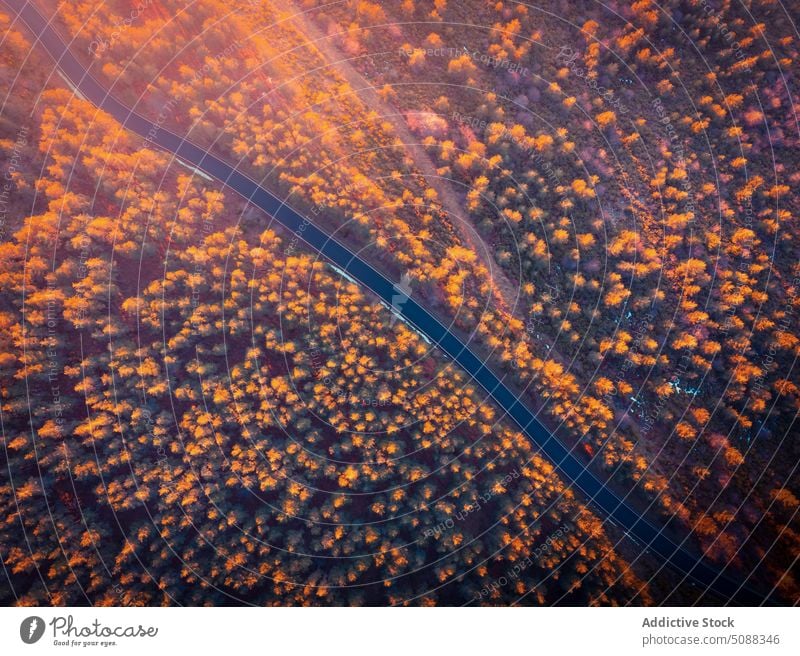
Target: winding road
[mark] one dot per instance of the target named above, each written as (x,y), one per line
(568,466)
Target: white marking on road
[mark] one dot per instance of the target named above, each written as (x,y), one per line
(394,311)
(194,169)
(343,273)
(72,87)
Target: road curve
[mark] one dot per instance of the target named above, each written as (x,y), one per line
(567,465)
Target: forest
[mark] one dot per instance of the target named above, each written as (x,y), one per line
(197,409)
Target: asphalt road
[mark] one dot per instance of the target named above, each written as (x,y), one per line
(568,466)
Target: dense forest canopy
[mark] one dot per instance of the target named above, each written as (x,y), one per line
(197,409)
